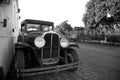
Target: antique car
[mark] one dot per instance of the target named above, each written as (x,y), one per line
(40,50)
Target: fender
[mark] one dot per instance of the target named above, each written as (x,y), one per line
(73,45)
(21,45)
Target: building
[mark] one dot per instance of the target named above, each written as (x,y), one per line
(8,31)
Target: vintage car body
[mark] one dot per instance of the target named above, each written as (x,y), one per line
(42,50)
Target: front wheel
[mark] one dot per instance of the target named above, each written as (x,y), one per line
(72,57)
(20,59)
(20,62)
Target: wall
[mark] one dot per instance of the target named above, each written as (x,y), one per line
(8,34)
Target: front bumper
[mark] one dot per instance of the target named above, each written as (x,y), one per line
(46,70)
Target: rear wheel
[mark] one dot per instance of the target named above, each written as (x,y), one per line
(72,57)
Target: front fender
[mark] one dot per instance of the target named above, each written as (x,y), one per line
(25,46)
(21,45)
(73,45)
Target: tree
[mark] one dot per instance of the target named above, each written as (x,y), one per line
(89,16)
(96,11)
(64,27)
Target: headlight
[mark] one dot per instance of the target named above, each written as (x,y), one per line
(39,42)
(64,42)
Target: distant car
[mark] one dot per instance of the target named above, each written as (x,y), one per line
(42,50)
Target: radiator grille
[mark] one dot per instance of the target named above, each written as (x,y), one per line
(51,48)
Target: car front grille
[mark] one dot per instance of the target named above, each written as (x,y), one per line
(52,46)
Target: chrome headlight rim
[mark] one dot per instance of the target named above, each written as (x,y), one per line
(39,42)
(64,42)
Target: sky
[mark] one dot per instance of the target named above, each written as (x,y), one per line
(56,11)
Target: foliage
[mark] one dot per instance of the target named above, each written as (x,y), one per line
(97,10)
(109,38)
(113,38)
(64,27)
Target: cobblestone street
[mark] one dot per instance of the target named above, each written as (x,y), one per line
(96,63)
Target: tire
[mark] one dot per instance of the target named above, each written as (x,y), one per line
(73,57)
(20,62)
(20,59)
(2,77)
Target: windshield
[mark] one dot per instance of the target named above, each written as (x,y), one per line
(38,27)
(33,27)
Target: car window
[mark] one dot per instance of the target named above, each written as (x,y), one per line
(46,28)
(38,27)
(33,27)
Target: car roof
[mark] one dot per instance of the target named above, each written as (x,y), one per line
(38,22)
